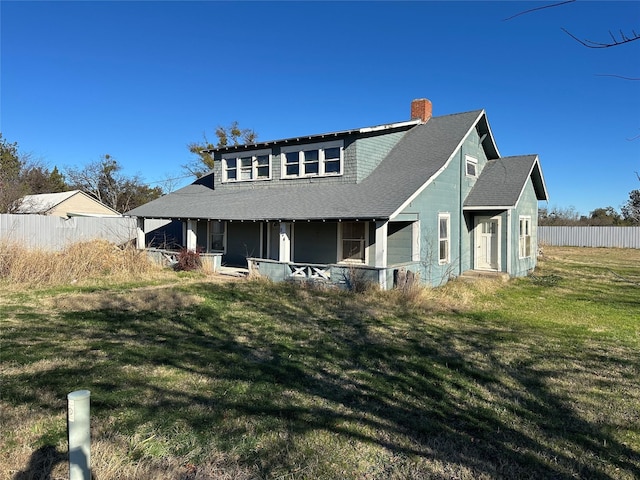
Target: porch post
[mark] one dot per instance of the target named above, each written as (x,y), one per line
(140,236)
(381,252)
(192,238)
(284,253)
(509,240)
(415,241)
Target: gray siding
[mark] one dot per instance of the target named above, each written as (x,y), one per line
(56,233)
(446,194)
(619,237)
(372,150)
(315,242)
(399,242)
(528,206)
(361,156)
(243,240)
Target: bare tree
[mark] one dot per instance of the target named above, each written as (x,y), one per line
(227,136)
(104,180)
(616,39)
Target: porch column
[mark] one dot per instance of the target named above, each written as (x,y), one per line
(192,236)
(509,240)
(415,241)
(284,252)
(381,252)
(140,235)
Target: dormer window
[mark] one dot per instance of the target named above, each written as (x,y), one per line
(316,160)
(246,166)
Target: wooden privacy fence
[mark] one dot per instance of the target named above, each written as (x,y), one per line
(56,233)
(620,237)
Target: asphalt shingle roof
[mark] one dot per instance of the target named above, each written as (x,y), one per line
(420,154)
(502,180)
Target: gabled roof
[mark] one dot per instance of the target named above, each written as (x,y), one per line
(424,150)
(44,202)
(502,182)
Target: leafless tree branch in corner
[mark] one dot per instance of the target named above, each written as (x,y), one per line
(615,41)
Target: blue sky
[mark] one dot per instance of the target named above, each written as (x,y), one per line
(141,80)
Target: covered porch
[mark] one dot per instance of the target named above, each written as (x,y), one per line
(316,250)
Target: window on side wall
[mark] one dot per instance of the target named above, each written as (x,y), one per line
(471,166)
(352,242)
(525,237)
(246,166)
(314,160)
(444,241)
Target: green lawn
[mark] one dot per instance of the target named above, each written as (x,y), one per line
(193,378)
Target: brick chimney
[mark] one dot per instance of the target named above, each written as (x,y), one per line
(421,109)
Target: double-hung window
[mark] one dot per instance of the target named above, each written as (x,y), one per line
(217,236)
(444,238)
(525,237)
(315,160)
(352,242)
(246,166)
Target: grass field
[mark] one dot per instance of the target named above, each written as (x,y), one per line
(195,378)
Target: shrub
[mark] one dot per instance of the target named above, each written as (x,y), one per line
(188,260)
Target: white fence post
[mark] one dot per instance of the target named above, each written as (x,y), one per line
(79,435)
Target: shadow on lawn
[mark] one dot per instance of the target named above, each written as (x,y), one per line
(422,390)
(41,464)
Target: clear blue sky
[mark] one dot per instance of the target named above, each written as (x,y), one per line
(140,80)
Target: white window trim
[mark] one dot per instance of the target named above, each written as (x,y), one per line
(468,159)
(447,217)
(321,147)
(524,238)
(210,236)
(254,154)
(366,246)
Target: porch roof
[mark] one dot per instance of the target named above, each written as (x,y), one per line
(423,151)
(502,182)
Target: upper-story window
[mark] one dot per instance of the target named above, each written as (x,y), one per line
(245,166)
(318,159)
(471,165)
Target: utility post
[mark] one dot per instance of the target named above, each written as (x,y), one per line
(79,435)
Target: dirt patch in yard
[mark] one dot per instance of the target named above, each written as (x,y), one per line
(159,297)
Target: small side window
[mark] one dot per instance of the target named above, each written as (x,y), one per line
(471,165)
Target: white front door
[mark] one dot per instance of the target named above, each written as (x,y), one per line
(487,241)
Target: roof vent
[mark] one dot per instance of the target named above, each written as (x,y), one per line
(421,109)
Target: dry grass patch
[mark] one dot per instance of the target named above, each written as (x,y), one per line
(160,297)
(96,259)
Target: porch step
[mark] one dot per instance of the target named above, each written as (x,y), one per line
(472,275)
(233,271)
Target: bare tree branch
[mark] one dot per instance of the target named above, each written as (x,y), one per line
(614,41)
(539,8)
(616,76)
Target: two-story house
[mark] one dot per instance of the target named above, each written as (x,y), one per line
(430,195)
